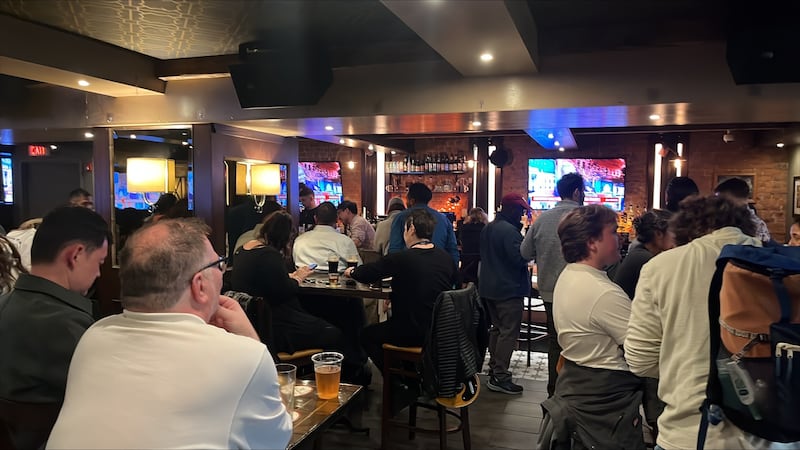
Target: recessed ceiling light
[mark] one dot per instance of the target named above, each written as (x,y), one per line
(185,133)
(394,152)
(550,135)
(476,123)
(88,135)
(561,149)
(184,143)
(654,116)
(328,128)
(133,136)
(780,144)
(341,141)
(53,146)
(486,57)
(83,83)
(557,144)
(371,147)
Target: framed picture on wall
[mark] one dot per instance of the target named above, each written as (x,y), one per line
(749,178)
(796,197)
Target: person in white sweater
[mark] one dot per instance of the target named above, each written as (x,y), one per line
(668,332)
(181,367)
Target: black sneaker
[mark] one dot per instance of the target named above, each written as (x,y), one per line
(506,387)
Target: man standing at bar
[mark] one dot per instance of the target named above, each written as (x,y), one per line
(504,281)
(443,236)
(309,207)
(542,245)
(181,367)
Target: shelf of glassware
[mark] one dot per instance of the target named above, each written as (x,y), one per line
(438,182)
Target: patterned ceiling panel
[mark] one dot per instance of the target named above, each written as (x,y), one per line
(168,29)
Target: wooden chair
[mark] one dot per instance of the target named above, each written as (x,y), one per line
(398,362)
(33,420)
(534,324)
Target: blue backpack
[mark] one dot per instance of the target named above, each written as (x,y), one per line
(754,318)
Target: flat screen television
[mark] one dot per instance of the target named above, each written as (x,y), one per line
(604,181)
(124,199)
(324,178)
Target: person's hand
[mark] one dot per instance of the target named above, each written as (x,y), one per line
(301,273)
(231,317)
(348,272)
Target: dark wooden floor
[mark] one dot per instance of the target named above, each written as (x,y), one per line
(498,421)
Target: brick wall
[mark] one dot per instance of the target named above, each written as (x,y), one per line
(323,151)
(709,157)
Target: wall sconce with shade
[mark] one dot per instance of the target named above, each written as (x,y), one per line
(258,180)
(146,175)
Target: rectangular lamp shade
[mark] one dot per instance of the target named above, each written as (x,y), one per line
(265,179)
(151,175)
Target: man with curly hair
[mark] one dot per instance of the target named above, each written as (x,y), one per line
(668,334)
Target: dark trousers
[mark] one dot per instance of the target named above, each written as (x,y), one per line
(389,332)
(506,317)
(553,350)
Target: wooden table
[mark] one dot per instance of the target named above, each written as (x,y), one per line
(312,416)
(317,284)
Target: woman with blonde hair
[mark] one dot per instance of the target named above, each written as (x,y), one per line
(10,265)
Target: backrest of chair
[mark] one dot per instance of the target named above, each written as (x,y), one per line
(260,315)
(369,256)
(452,348)
(35,420)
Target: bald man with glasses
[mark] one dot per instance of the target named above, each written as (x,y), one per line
(181,366)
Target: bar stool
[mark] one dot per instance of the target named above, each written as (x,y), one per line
(395,363)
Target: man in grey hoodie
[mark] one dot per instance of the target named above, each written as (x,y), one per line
(542,245)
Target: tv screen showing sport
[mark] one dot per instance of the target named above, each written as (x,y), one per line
(324,178)
(604,181)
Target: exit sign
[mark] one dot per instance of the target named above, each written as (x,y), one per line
(38,150)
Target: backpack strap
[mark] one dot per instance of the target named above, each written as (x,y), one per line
(777,276)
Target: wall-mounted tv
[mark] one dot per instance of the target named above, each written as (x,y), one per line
(124,199)
(324,178)
(605,181)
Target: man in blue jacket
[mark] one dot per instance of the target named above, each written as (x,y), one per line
(504,281)
(443,236)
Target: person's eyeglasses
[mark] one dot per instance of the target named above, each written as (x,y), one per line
(221,264)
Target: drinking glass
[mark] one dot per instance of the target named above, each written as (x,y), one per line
(287,374)
(352,260)
(327,372)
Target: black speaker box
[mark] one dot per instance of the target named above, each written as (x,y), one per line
(763,43)
(273,79)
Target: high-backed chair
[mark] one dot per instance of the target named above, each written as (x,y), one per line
(30,422)
(445,368)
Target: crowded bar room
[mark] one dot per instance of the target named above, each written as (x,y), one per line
(399,224)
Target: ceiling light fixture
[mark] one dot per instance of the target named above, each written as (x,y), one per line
(655,117)
(53,146)
(561,149)
(476,123)
(393,152)
(328,128)
(371,147)
(184,143)
(486,57)
(780,144)
(341,141)
(550,135)
(83,83)
(88,135)
(557,144)
(133,136)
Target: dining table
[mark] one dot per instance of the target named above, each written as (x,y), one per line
(312,416)
(318,284)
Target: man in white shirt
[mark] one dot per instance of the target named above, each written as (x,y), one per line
(314,246)
(596,400)
(358,228)
(668,333)
(181,367)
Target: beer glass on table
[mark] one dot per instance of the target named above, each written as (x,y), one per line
(327,373)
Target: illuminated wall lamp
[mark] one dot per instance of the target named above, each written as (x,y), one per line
(145,175)
(265,179)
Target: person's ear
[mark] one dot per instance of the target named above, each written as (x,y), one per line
(71,253)
(196,286)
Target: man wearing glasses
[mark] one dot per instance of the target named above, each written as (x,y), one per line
(181,366)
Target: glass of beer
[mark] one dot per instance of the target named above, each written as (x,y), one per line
(333,263)
(352,260)
(287,374)
(327,372)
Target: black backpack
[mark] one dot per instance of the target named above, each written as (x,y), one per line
(754,320)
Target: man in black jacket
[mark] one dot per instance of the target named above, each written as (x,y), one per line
(504,281)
